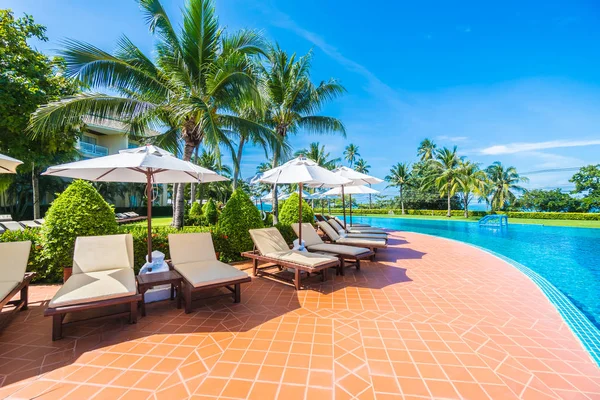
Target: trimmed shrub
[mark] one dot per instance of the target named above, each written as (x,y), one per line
(238,216)
(195,209)
(210,212)
(78,211)
(289,212)
(287,232)
(35,263)
(195,217)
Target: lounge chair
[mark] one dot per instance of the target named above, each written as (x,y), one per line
(354,234)
(320,217)
(40,221)
(362,230)
(313,242)
(354,225)
(13,278)
(334,237)
(12,226)
(193,256)
(5,217)
(30,224)
(270,247)
(102,277)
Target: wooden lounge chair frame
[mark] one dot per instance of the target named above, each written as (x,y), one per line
(188,290)
(256,257)
(22,303)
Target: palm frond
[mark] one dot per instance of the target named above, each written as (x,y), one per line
(321,124)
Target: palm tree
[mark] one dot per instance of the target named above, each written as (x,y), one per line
(426,150)
(503,183)
(400,177)
(198,73)
(445,171)
(212,161)
(472,181)
(362,166)
(293,101)
(316,152)
(350,154)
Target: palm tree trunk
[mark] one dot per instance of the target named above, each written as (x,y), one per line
(402,200)
(36,193)
(275,201)
(237,165)
(193,187)
(449,214)
(180,201)
(466,205)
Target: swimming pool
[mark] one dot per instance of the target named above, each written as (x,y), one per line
(569,258)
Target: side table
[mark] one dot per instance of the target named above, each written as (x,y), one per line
(147,281)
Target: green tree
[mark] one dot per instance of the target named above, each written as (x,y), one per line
(587,182)
(363,167)
(317,153)
(294,101)
(549,201)
(29,79)
(350,154)
(471,181)
(445,173)
(198,74)
(502,185)
(216,190)
(426,150)
(400,177)
(238,216)
(290,210)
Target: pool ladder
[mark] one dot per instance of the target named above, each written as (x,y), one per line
(494,220)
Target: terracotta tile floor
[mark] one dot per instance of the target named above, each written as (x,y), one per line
(431,319)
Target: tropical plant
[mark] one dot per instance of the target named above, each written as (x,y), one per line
(294,101)
(350,154)
(362,166)
(78,211)
(291,208)
(472,181)
(400,177)
(212,160)
(210,212)
(198,74)
(503,183)
(444,174)
(426,150)
(317,153)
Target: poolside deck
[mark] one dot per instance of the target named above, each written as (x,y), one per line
(431,319)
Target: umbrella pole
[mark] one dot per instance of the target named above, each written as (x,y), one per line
(344,205)
(350,209)
(300,216)
(149,213)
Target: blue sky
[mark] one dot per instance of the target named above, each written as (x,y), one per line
(511,81)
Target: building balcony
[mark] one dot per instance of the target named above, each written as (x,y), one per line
(93,150)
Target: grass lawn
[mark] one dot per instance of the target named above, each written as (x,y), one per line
(547,222)
(158,221)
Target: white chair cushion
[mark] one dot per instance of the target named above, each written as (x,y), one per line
(366,230)
(94,286)
(13,260)
(6,287)
(363,242)
(339,249)
(204,273)
(301,257)
(309,235)
(268,240)
(191,247)
(100,253)
(366,235)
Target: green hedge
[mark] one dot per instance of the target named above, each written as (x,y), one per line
(554,215)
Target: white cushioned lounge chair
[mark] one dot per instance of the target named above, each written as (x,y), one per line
(334,237)
(357,233)
(13,278)
(193,256)
(102,276)
(353,225)
(272,248)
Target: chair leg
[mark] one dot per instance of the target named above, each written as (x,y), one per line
(237,293)
(324,274)
(254,267)
(56,327)
(179,296)
(297,279)
(25,297)
(187,292)
(133,312)
(342,267)
(358,265)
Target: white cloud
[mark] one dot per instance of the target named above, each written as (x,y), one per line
(512,148)
(453,138)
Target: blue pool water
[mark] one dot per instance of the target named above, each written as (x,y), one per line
(569,258)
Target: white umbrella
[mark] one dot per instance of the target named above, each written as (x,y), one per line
(269,196)
(146,164)
(301,170)
(8,165)
(361,189)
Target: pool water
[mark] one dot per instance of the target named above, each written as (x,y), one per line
(569,258)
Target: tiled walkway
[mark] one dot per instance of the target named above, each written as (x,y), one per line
(431,319)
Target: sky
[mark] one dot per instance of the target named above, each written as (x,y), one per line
(511,81)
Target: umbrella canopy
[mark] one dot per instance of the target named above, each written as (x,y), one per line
(337,191)
(269,196)
(146,164)
(301,170)
(357,178)
(8,165)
